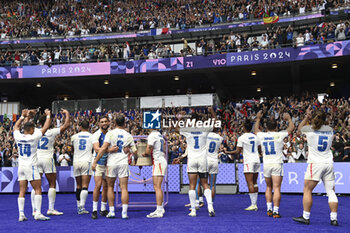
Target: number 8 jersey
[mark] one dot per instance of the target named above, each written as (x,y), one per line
(272,146)
(319,143)
(82,143)
(27,145)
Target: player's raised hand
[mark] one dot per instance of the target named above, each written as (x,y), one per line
(24,112)
(47,112)
(309,112)
(259,115)
(64,111)
(31,113)
(286,116)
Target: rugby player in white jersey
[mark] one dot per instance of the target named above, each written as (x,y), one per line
(27,144)
(320,164)
(249,144)
(272,146)
(156,147)
(117,164)
(214,140)
(46,163)
(82,144)
(197,163)
(100,174)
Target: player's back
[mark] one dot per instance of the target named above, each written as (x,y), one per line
(196,143)
(249,142)
(157,141)
(27,147)
(46,143)
(120,138)
(213,143)
(82,143)
(272,146)
(319,143)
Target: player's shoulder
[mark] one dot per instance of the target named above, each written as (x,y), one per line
(97,133)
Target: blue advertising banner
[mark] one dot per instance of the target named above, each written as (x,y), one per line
(293,180)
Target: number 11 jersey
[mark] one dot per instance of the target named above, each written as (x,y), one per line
(272,146)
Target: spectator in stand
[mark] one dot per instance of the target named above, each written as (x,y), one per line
(64,159)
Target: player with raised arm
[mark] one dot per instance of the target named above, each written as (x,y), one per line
(46,163)
(320,164)
(117,164)
(197,163)
(100,174)
(214,140)
(155,146)
(272,146)
(82,144)
(249,144)
(27,144)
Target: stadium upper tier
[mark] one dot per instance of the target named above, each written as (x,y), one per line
(39,18)
(270,38)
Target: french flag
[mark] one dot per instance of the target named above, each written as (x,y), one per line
(321,25)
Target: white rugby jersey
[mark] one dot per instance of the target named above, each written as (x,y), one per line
(27,145)
(249,142)
(272,146)
(120,138)
(46,143)
(196,143)
(82,143)
(156,140)
(214,141)
(319,143)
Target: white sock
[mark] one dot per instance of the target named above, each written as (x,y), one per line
(52,198)
(78,204)
(111,209)
(275,209)
(334,216)
(83,196)
(197,203)
(192,196)
(306,215)
(103,206)
(20,202)
(159,208)
(38,200)
(32,198)
(94,205)
(125,209)
(269,206)
(251,195)
(201,199)
(163,205)
(207,194)
(256,198)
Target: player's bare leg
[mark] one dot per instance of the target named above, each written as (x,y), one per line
(276,183)
(111,196)
(104,211)
(268,196)
(157,185)
(36,184)
(96,195)
(249,177)
(207,193)
(21,199)
(123,183)
(212,184)
(51,178)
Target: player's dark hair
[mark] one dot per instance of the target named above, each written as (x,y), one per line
(318,120)
(120,119)
(271,124)
(28,126)
(248,125)
(84,124)
(195,116)
(103,117)
(42,120)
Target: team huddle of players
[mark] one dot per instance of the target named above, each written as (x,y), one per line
(111,149)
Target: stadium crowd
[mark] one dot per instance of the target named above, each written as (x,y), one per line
(272,38)
(232,114)
(39,18)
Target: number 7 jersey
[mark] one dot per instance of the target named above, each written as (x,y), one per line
(82,143)
(319,143)
(272,146)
